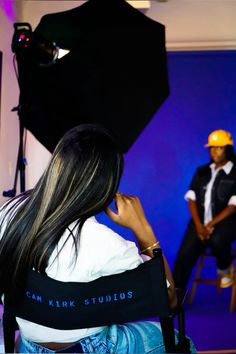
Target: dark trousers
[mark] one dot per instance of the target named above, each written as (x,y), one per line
(191,247)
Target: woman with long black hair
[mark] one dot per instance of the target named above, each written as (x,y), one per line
(52,230)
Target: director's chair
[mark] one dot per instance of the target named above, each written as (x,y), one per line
(133,295)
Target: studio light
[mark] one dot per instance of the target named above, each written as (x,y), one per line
(115,73)
(39,49)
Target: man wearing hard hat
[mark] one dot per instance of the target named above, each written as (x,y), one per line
(212,205)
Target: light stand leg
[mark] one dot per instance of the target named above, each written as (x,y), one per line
(20,165)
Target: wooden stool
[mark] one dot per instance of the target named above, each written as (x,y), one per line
(212,281)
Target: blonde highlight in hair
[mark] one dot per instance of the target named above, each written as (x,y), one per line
(80,181)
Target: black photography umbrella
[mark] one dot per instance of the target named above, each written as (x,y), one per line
(115,72)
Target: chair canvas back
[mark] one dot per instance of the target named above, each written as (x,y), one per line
(132,295)
(128,296)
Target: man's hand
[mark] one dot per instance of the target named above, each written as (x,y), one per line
(203,231)
(210,226)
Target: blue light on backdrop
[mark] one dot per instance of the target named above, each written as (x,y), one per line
(160,164)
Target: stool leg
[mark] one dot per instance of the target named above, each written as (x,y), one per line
(219,289)
(233,294)
(196,277)
(233,298)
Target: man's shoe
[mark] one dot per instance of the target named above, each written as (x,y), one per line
(227,280)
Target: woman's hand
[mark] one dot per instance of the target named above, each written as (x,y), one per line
(129,213)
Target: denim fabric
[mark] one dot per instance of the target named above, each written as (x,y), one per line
(131,338)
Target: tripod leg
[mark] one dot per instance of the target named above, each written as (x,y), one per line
(20,167)
(21,162)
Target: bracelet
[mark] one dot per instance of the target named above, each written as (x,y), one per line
(151,247)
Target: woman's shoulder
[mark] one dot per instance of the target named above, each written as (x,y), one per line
(8,211)
(104,241)
(99,232)
(13,203)
(110,252)
(101,251)
(10,207)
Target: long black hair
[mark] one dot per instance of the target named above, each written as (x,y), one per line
(80,181)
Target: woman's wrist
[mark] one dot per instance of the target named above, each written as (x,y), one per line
(151,247)
(144,232)
(146,239)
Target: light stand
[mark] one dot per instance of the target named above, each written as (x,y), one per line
(20,164)
(30,50)
(21,43)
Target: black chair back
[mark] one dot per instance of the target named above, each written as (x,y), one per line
(132,295)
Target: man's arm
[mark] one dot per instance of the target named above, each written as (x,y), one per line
(203,232)
(229,210)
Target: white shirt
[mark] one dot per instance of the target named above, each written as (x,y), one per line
(190,195)
(101,252)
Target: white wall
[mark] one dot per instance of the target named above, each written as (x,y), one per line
(190,24)
(196,24)
(9,99)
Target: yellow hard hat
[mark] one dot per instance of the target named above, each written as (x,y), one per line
(219,138)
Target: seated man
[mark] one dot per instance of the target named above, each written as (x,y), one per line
(212,204)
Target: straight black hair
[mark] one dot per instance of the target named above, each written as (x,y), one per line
(81,180)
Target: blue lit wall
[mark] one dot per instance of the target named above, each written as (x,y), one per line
(160,164)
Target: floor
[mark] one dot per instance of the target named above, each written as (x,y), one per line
(208,320)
